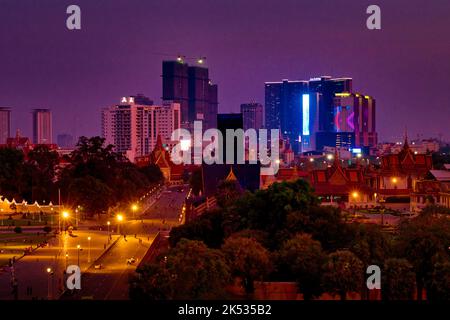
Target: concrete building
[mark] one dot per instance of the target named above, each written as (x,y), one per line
(252,114)
(5,124)
(42,126)
(191,87)
(133,128)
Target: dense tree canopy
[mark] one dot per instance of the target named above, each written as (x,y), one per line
(303,258)
(314,245)
(93,176)
(343,273)
(247,259)
(189,271)
(398,279)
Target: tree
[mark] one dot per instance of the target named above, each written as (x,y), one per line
(206,228)
(268,209)
(153,174)
(343,273)
(92,194)
(370,243)
(152,282)
(397,280)
(190,271)
(325,224)
(199,272)
(41,168)
(18,229)
(424,241)
(227,193)
(304,258)
(12,183)
(439,284)
(247,259)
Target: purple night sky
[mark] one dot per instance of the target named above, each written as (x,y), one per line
(405,66)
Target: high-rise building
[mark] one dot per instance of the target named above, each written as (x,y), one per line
(42,126)
(327,87)
(213,107)
(191,87)
(134,128)
(293,109)
(252,114)
(354,112)
(303,109)
(5,124)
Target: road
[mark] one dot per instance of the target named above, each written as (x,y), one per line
(111,282)
(31,270)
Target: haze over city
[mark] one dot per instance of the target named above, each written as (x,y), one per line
(121,45)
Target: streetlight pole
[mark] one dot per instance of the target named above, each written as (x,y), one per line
(49,293)
(109,233)
(119,220)
(89,249)
(79,249)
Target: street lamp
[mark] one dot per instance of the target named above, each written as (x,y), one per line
(119,221)
(79,249)
(49,274)
(355,196)
(67,259)
(109,233)
(89,249)
(134,208)
(65,216)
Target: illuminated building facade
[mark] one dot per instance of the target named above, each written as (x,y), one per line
(133,128)
(399,173)
(290,107)
(355,113)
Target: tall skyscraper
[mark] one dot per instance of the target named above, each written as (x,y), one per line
(42,126)
(354,112)
(134,128)
(305,112)
(213,107)
(252,114)
(289,107)
(191,87)
(327,87)
(5,124)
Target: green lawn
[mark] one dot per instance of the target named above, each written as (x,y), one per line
(19,242)
(28,222)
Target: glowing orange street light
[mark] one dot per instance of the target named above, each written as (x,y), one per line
(65,215)
(119,221)
(134,208)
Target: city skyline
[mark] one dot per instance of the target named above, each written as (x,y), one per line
(107,62)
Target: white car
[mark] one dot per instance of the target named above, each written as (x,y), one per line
(131,261)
